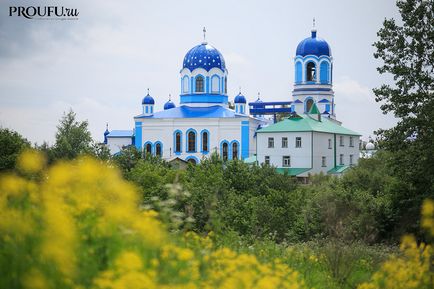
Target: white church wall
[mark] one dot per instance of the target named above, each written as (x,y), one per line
(220,129)
(115,144)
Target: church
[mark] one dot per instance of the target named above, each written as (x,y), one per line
(203,122)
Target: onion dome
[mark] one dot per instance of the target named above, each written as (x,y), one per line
(313,46)
(240,98)
(204,56)
(169,104)
(370,146)
(257,103)
(106,133)
(148,99)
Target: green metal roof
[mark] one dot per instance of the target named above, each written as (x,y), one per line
(304,122)
(338,169)
(292,171)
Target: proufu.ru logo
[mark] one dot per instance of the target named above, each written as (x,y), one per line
(44,12)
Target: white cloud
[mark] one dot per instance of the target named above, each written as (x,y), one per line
(357,109)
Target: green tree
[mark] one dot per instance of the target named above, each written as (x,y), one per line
(11,144)
(72,138)
(407,52)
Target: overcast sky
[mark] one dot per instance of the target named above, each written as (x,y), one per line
(101,64)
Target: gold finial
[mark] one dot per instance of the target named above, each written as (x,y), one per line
(148,91)
(170,97)
(313,26)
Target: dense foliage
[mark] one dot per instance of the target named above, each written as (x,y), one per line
(258,202)
(407,52)
(79,225)
(11,144)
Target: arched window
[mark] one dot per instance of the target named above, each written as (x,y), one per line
(191,141)
(309,104)
(199,84)
(298,72)
(178,142)
(235,151)
(158,149)
(226,85)
(324,72)
(225,150)
(215,84)
(205,141)
(148,148)
(310,72)
(192,161)
(185,87)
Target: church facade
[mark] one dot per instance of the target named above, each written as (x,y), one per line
(203,123)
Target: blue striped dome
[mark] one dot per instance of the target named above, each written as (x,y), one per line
(204,56)
(313,46)
(148,99)
(168,105)
(240,98)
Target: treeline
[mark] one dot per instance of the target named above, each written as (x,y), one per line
(371,203)
(364,204)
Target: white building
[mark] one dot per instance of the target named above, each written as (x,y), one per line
(201,124)
(311,140)
(308,142)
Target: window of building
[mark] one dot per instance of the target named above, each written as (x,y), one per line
(286,161)
(234,151)
(309,104)
(341,159)
(323,161)
(298,142)
(158,149)
(330,143)
(341,141)
(226,85)
(191,141)
(271,142)
(199,84)
(178,142)
(284,142)
(267,160)
(215,84)
(185,87)
(148,148)
(351,160)
(351,141)
(205,141)
(310,72)
(225,149)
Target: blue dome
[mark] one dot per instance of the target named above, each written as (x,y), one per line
(148,100)
(313,46)
(204,56)
(240,98)
(168,105)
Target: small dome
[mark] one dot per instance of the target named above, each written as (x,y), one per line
(240,98)
(313,46)
(148,99)
(168,105)
(370,146)
(204,56)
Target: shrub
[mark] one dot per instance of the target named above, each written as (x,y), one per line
(77,224)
